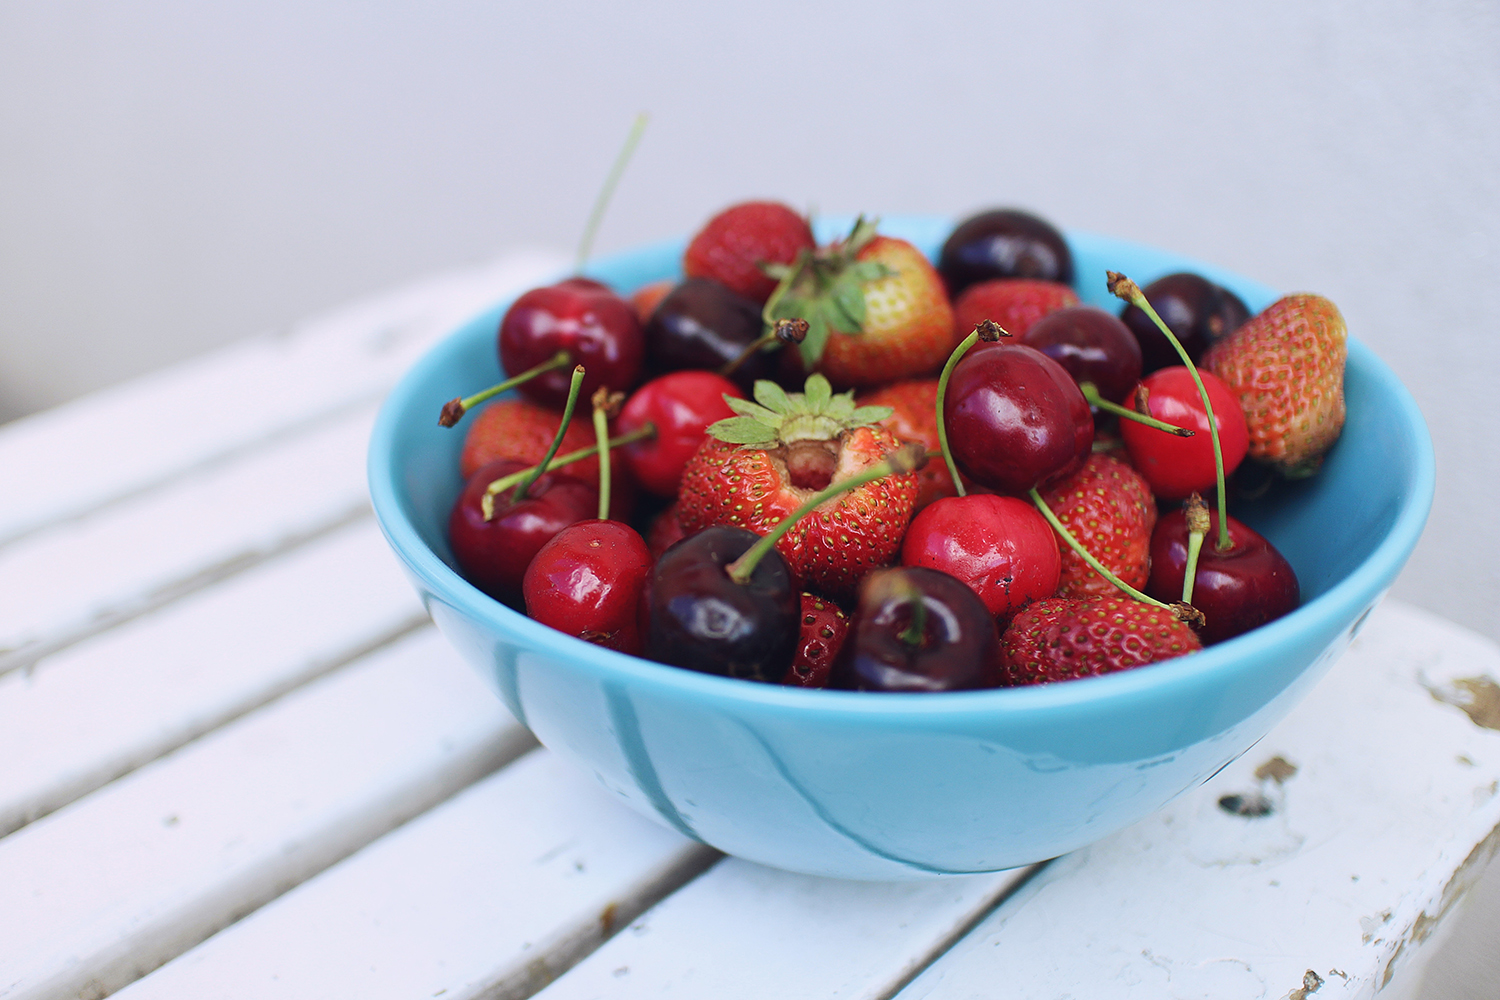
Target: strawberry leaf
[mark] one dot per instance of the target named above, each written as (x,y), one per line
(772,396)
(742,430)
(817,392)
(746,408)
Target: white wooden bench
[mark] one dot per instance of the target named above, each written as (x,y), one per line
(236,761)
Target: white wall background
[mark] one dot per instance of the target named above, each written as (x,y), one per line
(174,174)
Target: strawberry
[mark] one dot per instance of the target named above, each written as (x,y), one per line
(1108,508)
(1062,638)
(1014,303)
(758,468)
(875,307)
(1286,365)
(519,429)
(664,530)
(732,246)
(824,626)
(913,417)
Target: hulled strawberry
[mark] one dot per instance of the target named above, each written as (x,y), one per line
(1014,303)
(1108,508)
(1063,638)
(1286,365)
(759,467)
(734,245)
(875,307)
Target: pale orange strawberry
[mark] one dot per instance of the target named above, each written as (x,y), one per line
(783,450)
(1286,365)
(1014,303)
(913,404)
(1107,506)
(520,429)
(875,307)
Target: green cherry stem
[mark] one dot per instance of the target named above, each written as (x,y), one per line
(1123,288)
(1091,393)
(567,458)
(529,476)
(586,244)
(908,458)
(1088,557)
(1197,524)
(454,409)
(989,331)
(605,403)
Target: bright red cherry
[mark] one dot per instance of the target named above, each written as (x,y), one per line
(1176,466)
(1237,590)
(1000,546)
(597,328)
(1015,418)
(493,555)
(681,405)
(587,582)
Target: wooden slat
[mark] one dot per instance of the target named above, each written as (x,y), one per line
(79,577)
(1392,811)
(136,692)
(486,896)
(743,930)
(108,888)
(134,437)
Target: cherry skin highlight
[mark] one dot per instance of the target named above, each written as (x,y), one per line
(587,581)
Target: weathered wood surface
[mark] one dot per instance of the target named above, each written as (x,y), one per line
(236,761)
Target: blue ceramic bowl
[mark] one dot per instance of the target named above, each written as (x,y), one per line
(890,786)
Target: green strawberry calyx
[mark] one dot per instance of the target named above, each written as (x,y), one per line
(778,417)
(826,287)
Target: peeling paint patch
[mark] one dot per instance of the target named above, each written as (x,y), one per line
(1311,983)
(1477,697)
(1369,925)
(1277,769)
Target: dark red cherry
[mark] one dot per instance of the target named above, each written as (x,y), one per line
(1237,590)
(680,405)
(493,555)
(1004,243)
(1093,345)
(1015,418)
(702,620)
(1000,546)
(587,581)
(703,324)
(1197,311)
(1176,466)
(918,630)
(597,328)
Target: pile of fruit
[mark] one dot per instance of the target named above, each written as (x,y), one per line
(845,466)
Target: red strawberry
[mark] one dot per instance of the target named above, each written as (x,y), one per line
(759,467)
(913,417)
(733,244)
(522,430)
(875,307)
(824,626)
(1108,508)
(665,529)
(1286,365)
(1014,303)
(1062,638)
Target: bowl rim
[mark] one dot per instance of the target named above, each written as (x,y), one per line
(1341,602)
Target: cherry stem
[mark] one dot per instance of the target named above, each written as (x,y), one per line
(506,482)
(454,409)
(1197,525)
(1091,393)
(1122,287)
(586,245)
(916,629)
(1088,557)
(907,459)
(487,502)
(604,403)
(989,331)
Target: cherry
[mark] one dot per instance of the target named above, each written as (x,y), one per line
(1175,466)
(493,553)
(1001,547)
(1237,589)
(587,580)
(703,324)
(917,629)
(1004,243)
(1015,419)
(681,406)
(596,327)
(1093,345)
(702,619)
(1195,309)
